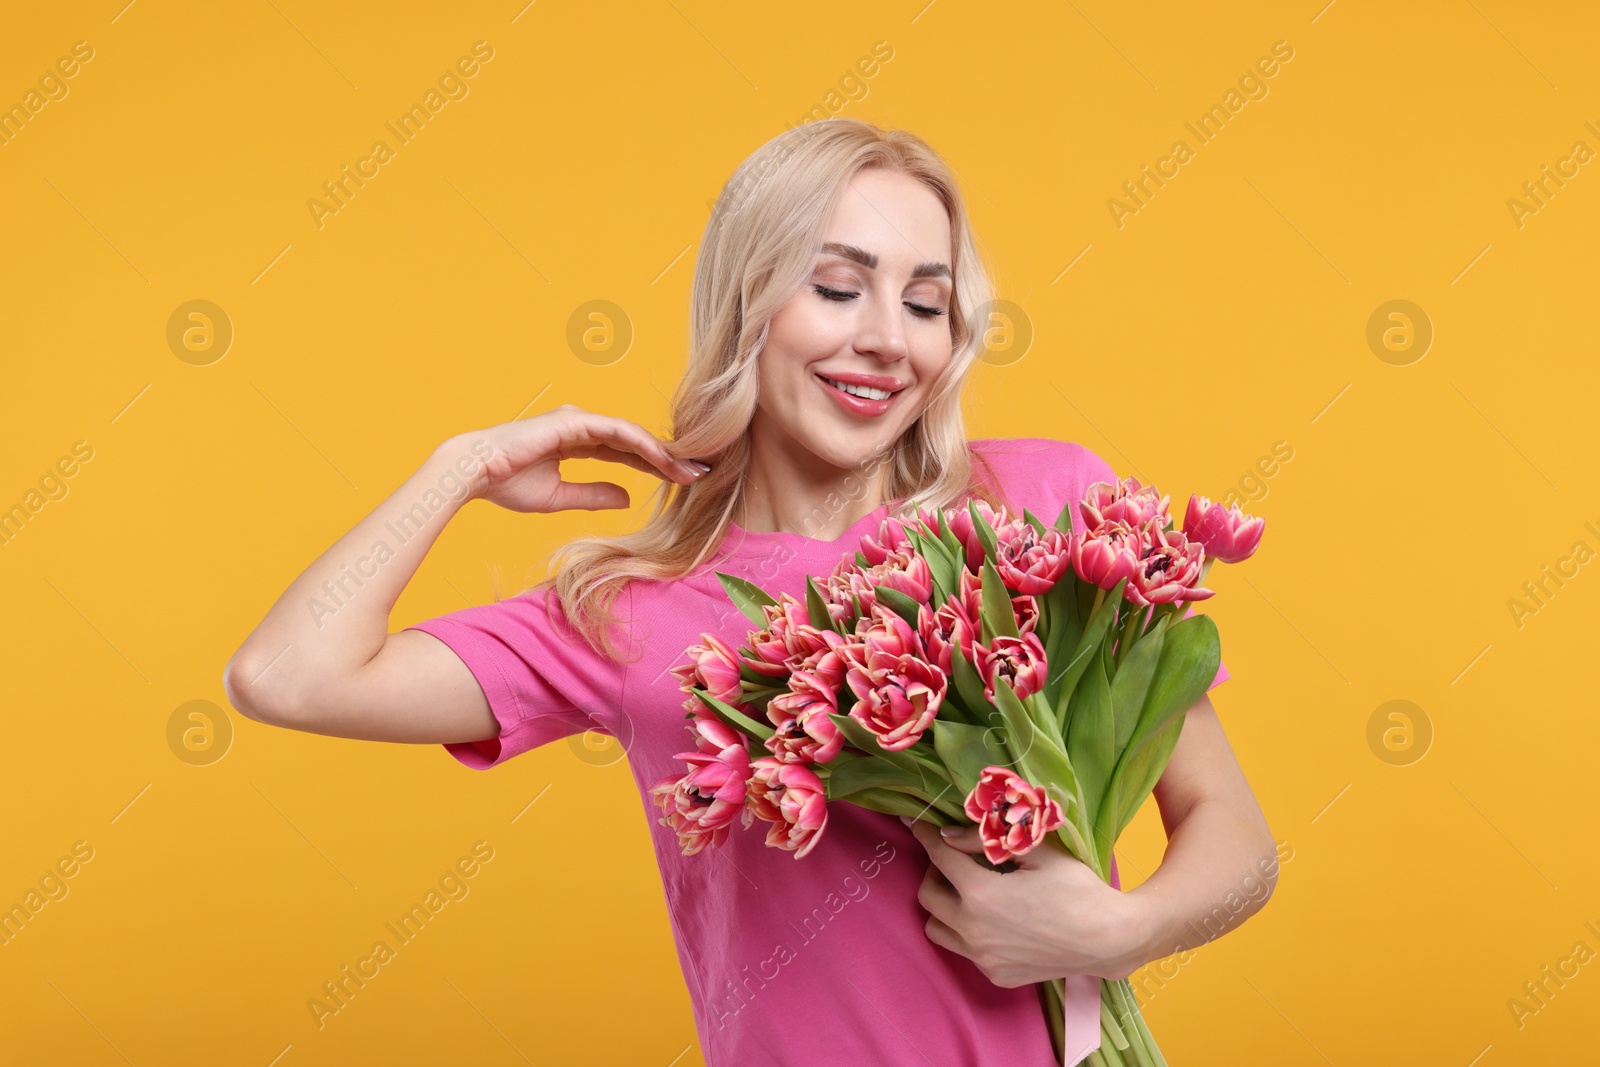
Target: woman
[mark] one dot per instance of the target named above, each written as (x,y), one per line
(832,328)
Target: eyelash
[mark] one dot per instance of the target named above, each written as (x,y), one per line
(839,295)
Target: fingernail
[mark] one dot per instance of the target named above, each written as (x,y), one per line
(949,831)
(906,819)
(703,466)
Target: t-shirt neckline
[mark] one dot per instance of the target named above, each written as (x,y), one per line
(739,541)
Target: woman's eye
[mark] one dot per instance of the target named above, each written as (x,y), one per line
(921,310)
(833,294)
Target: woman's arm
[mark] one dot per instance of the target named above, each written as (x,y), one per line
(323,660)
(1221,862)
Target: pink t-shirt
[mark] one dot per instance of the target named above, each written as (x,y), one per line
(821,959)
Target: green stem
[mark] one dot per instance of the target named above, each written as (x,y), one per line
(1132,628)
(1142,1045)
(952,808)
(1109,1029)
(1156,1059)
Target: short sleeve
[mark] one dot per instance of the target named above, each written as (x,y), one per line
(1051,473)
(542,680)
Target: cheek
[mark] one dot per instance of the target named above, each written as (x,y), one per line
(801,334)
(931,360)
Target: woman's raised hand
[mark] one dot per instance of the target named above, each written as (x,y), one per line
(524,471)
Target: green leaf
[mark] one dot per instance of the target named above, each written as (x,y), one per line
(1064,518)
(749,674)
(986,535)
(1037,754)
(867,741)
(869,773)
(969,685)
(817,607)
(1132,682)
(958,550)
(1140,778)
(901,604)
(1132,625)
(1189,659)
(747,597)
(1034,521)
(1091,733)
(894,802)
(943,567)
(1063,629)
(734,717)
(998,614)
(1089,643)
(1020,733)
(861,561)
(1043,716)
(1039,757)
(966,750)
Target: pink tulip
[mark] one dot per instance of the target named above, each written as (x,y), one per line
(793,799)
(826,664)
(904,571)
(1169,571)
(961,525)
(700,806)
(1227,534)
(952,626)
(897,697)
(714,668)
(881,630)
(933,519)
(785,617)
(1028,561)
(1013,815)
(1107,554)
(969,594)
(805,734)
(1020,661)
(769,647)
(891,539)
(711,734)
(1125,501)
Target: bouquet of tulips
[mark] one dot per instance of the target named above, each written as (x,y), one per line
(968,667)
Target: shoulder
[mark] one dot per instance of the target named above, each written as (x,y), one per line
(1041,473)
(1043,456)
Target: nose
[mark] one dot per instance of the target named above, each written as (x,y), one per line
(882,331)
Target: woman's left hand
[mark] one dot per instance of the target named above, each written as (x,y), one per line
(1049,918)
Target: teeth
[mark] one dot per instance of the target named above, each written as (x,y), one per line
(860,390)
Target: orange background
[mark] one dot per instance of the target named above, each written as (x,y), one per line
(1229,313)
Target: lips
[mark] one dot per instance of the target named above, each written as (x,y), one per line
(864,381)
(856,405)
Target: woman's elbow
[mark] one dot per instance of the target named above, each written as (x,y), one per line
(241,683)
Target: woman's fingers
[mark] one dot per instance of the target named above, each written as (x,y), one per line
(631,436)
(632,459)
(588,496)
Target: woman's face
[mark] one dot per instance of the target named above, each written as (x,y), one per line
(874,311)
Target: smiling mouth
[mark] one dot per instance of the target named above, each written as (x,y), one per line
(862,392)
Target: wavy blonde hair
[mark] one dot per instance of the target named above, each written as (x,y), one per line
(759,247)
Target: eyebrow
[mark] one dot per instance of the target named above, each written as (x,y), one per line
(870,261)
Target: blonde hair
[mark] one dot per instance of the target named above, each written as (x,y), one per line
(758,249)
